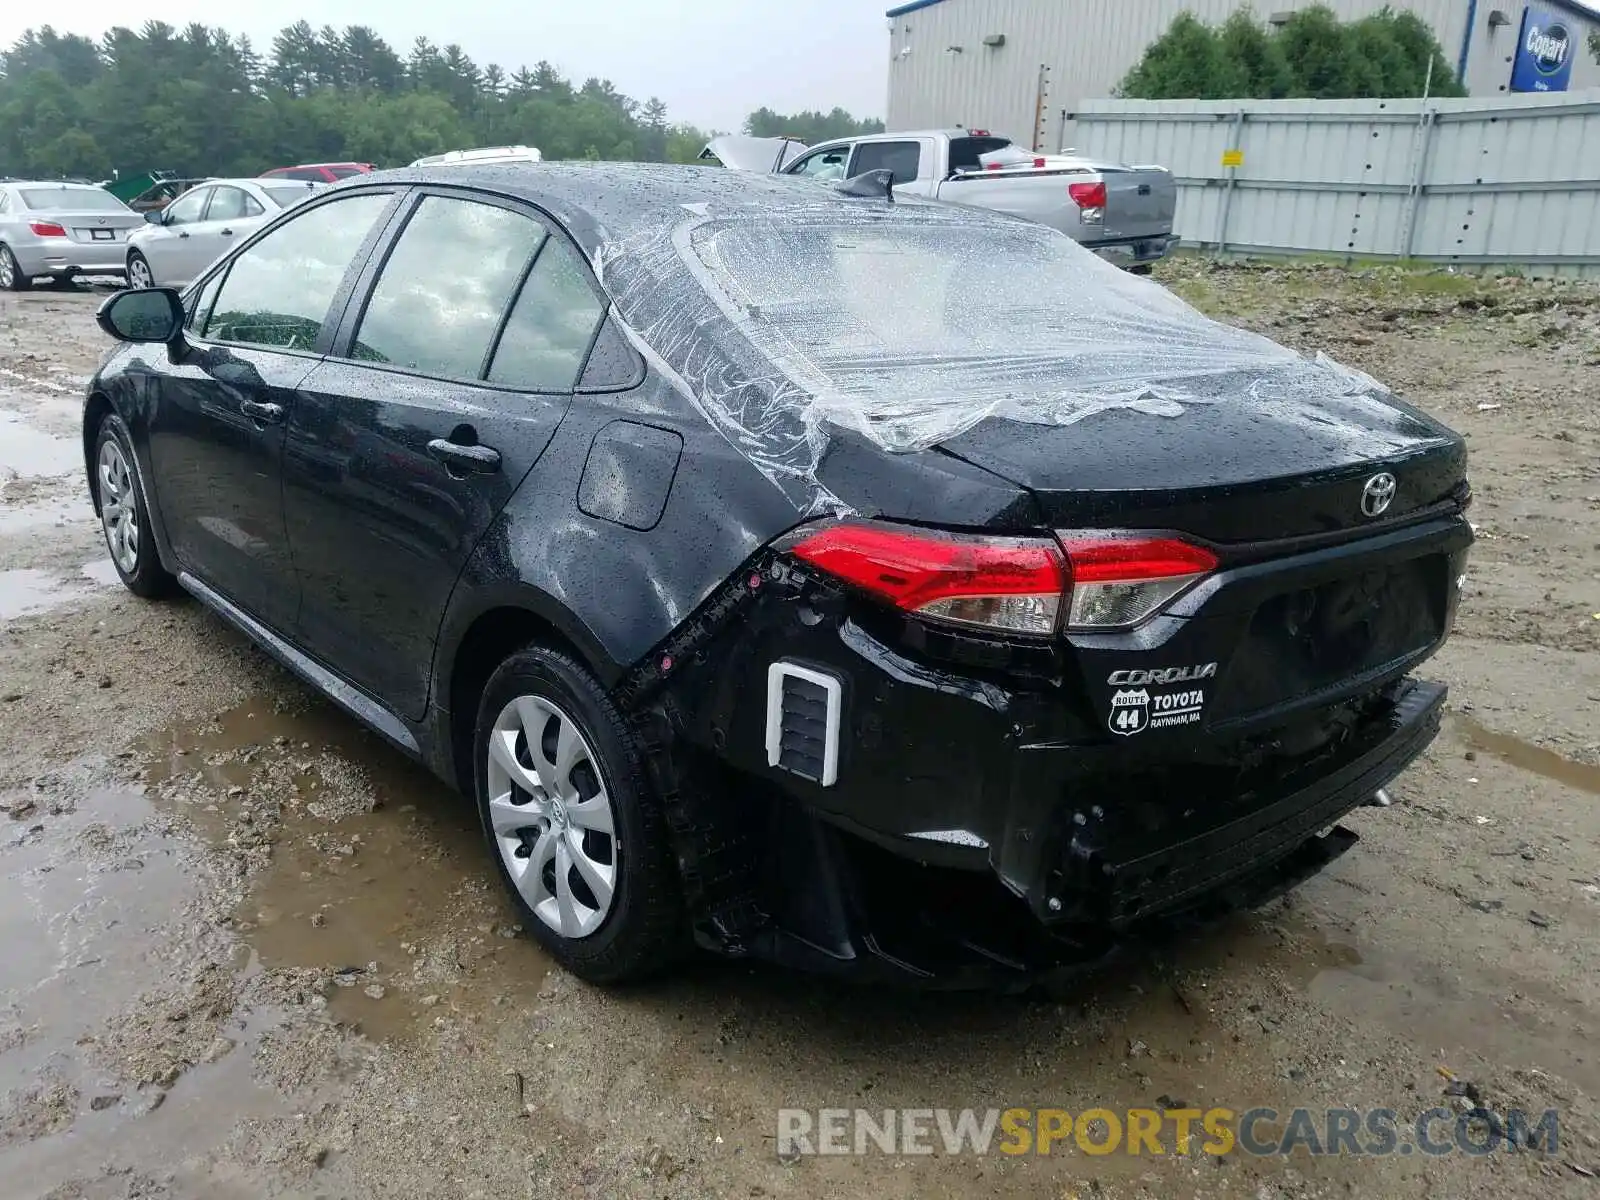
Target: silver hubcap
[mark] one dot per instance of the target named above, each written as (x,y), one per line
(7,268)
(551,816)
(139,274)
(119,513)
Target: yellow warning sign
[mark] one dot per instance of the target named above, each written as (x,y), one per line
(1233,158)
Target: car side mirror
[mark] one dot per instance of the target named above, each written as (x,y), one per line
(155,216)
(143,315)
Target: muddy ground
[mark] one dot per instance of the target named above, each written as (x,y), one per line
(247,951)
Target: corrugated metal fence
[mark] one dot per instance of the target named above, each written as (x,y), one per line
(1471,182)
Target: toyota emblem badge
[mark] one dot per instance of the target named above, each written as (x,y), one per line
(1378,494)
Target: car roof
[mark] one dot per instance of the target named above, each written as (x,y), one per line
(606,203)
(257,181)
(906,135)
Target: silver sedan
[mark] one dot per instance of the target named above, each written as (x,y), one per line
(197,228)
(61,230)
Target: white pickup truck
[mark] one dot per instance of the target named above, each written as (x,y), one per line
(1123,214)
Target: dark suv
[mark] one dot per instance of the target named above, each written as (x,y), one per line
(871,585)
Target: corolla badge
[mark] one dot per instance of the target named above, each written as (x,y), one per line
(1378,494)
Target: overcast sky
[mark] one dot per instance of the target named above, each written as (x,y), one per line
(712,61)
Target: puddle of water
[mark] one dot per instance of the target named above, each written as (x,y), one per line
(406,884)
(102,571)
(95,895)
(1528,757)
(30,590)
(29,451)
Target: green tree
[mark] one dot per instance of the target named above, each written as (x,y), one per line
(684,143)
(1258,58)
(1187,62)
(200,101)
(1311,54)
(809,127)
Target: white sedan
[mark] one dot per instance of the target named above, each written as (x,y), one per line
(192,232)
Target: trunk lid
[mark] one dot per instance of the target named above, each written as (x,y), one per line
(1140,201)
(1224,471)
(96,226)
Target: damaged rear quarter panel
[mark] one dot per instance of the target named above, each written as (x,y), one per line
(632,587)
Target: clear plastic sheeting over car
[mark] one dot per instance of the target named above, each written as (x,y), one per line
(792,317)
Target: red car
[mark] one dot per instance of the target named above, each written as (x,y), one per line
(318,172)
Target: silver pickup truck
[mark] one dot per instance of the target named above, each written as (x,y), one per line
(1122,213)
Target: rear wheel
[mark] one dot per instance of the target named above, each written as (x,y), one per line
(577,836)
(139,273)
(11,277)
(123,516)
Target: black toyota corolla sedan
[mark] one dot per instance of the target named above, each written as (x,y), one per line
(871,585)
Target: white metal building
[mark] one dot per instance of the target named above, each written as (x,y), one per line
(1021,67)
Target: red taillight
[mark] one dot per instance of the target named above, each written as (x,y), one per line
(47,229)
(1088,195)
(1012,585)
(1120,581)
(1007,585)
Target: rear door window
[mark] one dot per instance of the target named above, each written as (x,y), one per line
(440,297)
(903,158)
(232,204)
(548,333)
(278,291)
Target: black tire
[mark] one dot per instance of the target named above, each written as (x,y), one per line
(143,575)
(16,280)
(644,930)
(133,257)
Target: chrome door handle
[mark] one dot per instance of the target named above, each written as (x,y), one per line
(267,414)
(483,460)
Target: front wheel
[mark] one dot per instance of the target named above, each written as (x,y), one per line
(124,517)
(576,833)
(11,277)
(139,273)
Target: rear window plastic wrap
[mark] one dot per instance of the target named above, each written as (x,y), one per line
(911,323)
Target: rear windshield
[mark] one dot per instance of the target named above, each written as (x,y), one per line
(966,153)
(283,195)
(76,199)
(345,172)
(912,328)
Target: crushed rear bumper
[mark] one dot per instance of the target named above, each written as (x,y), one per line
(982,828)
(1077,894)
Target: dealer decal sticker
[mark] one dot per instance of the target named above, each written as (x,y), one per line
(1130,712)
(1134,709)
